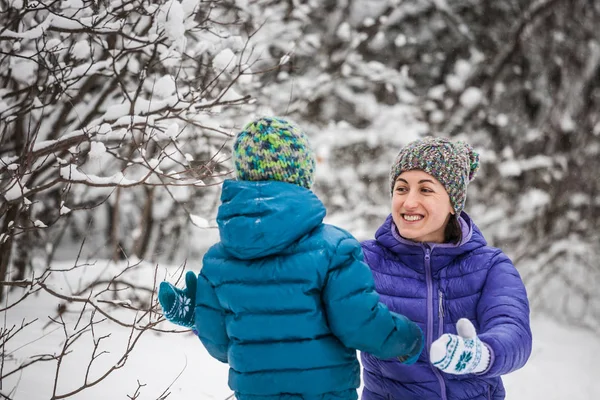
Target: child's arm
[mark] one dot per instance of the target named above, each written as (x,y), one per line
(357,317)
(503,315)
(210,320)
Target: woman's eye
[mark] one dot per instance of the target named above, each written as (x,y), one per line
(400,189)
(426,190)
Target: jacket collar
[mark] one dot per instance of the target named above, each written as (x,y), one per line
(412,253)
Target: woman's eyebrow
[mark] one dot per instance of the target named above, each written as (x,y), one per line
(421,181)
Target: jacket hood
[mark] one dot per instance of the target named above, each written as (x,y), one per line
(261,218)
(472,238)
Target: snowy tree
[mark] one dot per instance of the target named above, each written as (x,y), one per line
(518,80)
(109,120)
(115,122)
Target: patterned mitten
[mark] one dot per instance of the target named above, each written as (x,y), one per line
(460,354)
(177,304)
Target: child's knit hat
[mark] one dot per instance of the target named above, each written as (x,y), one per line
(454,164)
(273,149)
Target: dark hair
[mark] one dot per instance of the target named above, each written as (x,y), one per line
(453,233)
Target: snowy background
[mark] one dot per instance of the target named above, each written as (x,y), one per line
(116,121)
(563,363)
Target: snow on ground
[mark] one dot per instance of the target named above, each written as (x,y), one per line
(563,364)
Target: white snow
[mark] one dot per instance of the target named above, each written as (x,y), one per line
(33,33)
(567,124)
(8,161)
(75,4)
(15,191)
(199,221)
(181,194)
(172,18)
(224,61)
(231,95)
(3,106)
(454,83)
(437,116)
(579,199)
(189,6)
(562,365)
(516,167)
(97,150)
(533,199)
(81,50)
(284,59)
(548,376)
(171,132)
(368,22)
(23,68)
(344,31)
(247,77)
(39,146)
(71,173)
(463,69)
(16,4)
(165,86)
(502,120)
(400,40)
(471,97)
(142,107)
(64,209)
(53,44)
(86,69)
(104,129)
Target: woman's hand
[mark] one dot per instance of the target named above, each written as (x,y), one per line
(460,354)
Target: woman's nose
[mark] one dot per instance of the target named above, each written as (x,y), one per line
(411,200)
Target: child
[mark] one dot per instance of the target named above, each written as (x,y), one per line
(283,298)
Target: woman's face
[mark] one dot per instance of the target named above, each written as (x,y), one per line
(421,207)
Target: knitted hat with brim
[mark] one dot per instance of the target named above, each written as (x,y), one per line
(453,164)
(273,149)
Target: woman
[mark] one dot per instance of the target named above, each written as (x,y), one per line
(431,263)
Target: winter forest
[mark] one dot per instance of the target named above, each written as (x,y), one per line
(116,120)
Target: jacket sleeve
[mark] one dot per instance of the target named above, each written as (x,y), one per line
(503,315)
(355,314)
(210,320)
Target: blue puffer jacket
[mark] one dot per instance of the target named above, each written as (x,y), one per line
(435,285)
(285,299)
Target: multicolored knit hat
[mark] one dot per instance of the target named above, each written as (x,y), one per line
(454,164)
(273,149)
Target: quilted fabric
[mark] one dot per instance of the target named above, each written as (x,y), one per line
(285,299)
(435,285)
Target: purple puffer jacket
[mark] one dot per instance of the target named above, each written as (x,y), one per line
(435,285)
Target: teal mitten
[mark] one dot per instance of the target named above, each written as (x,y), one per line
(178,304)
(413,357)
(460,354)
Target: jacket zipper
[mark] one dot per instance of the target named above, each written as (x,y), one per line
(429,280)
(441,313)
